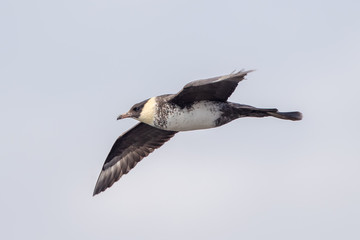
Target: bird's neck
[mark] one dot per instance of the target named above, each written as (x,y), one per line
(148,112)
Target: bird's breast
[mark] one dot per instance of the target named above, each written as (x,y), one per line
(199,115)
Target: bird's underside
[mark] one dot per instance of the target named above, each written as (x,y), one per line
(200,104)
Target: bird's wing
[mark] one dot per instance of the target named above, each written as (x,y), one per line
(214,89)
(128,150)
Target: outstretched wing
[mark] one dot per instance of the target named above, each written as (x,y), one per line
(214,89)
(128,150)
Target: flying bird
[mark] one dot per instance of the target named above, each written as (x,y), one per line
(200,104)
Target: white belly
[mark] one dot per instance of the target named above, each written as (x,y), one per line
(201,115)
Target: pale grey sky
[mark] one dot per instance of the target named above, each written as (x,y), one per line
(68,68)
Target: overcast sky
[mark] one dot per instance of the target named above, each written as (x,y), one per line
(68,68)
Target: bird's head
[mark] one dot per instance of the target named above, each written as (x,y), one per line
(142,111)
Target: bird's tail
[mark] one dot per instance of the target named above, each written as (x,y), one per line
(294,116)
(249,111)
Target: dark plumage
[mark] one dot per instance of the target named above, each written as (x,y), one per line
(128,150)
(199,105)
(213,89)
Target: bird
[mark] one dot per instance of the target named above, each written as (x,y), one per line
(200,104)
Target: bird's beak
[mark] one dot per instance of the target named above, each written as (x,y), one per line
(122,116)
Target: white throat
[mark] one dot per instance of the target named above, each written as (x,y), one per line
(148,112)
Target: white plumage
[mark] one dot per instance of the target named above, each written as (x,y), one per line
(200,115)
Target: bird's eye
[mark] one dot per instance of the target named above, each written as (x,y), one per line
(136,109)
